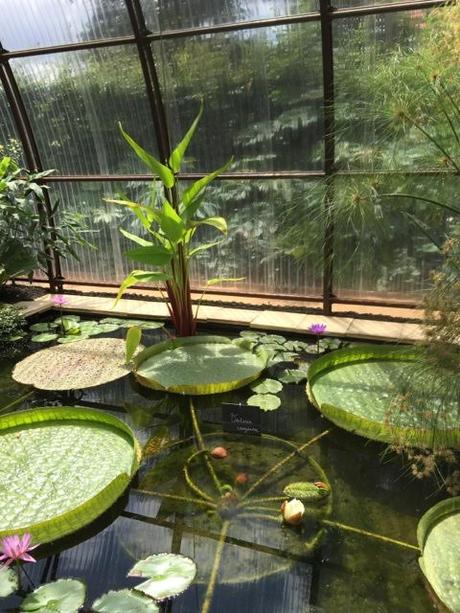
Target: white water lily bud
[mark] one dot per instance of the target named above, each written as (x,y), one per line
(293,511)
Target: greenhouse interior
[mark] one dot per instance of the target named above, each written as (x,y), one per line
(229,306)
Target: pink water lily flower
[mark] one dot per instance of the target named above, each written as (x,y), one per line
(16,548)
(59,299)
(317,328)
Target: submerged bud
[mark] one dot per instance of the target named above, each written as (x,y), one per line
(292,511)
(219,453)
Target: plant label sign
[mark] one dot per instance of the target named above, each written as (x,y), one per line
(241,418)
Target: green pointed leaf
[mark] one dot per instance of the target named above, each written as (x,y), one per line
(171,223)
(136,239)
(266,402)
(189,197)
(204,247)
(216,222)
(176,157)
(125,601)
(140,276)
(169,575)
(62,596)
(45,337)
(155,166)
(8,581)
(267,386)
(154,255)
(133,339)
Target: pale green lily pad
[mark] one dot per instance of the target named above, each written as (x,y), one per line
(198,365)
(266,402)
(294,375)
(125,601)
(52,448)
(8,581)
(169,575)
(272,338)
(73,338)
(438,534)
(43,326)
(107,328)
(253,336)
(45,337)
(68,317)
(62,596)
(267,386)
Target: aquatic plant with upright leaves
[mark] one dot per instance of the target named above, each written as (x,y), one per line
(171,228)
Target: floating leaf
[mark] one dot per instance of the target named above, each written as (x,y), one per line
(106,328)
(266,402)
(72,338)
(296,346)
(273,338)
(133,339)
(294,375)
(62,596)
(152,325)
(124,601)
(68,317)
(438,534)
(43,326)
(267,386)
(8,581)
(169,575)
(113,320)
(254,336)
(45,337)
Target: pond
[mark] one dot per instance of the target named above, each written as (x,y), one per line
(247,560)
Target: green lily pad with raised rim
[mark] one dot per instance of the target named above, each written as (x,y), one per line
(198,365)
(438,535)
(362,388)
(61,468)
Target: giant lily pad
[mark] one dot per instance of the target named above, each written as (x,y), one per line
(438,535)
(198,365)
(378,392)
(61,468)
(79,365)
(8,581)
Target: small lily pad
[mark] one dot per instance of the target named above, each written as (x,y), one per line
(43,326)
(294,375)
(106,328)
(8,581)
(123,601)
(67,317)
(72,338)
(152,325)
(62,596)
(253,336)
(45,337)
(273,338)
(169,575)
(267,386)
(265,402)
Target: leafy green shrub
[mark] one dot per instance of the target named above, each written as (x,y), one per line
(12,323)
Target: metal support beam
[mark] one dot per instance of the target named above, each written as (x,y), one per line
(329,151)
(32,158)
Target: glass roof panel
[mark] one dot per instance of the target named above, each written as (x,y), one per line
(182,14)
(262,90)
(27,24)
(75,101)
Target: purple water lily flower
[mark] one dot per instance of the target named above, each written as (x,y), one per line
(15,548)
(317,328)
(59,299)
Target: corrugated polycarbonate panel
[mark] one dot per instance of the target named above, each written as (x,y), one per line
(389,257)
(9,141)
(262,92)
(369,133)
(26,24)
(177,14)
(75,101)
(259,247)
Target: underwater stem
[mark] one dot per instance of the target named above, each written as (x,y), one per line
(202,447)
(215,568)
(281,463)
(379,537)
